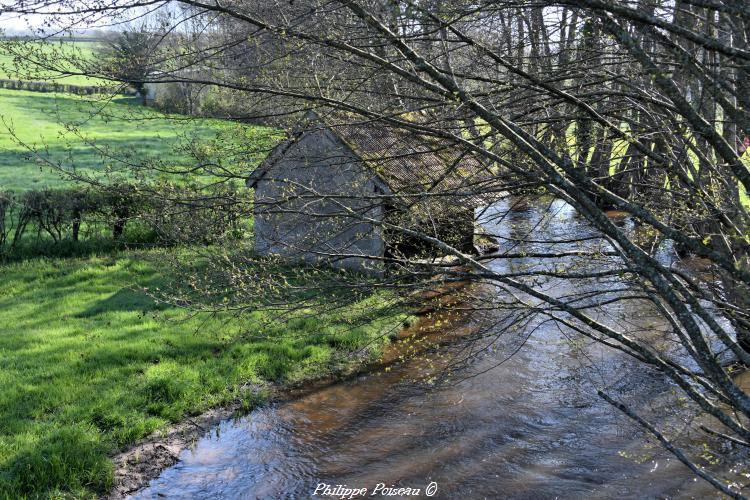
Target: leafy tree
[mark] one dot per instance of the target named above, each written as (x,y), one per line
(128,57)
(636,106)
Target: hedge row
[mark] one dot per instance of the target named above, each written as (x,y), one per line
(52,87)
(171,214)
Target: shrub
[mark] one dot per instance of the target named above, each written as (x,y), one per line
(6,207)
(178,214)
(199,216)
(36,86)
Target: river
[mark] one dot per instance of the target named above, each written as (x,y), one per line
(519,418)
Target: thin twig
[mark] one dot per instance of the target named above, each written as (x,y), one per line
(669,446)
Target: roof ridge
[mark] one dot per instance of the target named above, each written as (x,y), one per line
(406,160)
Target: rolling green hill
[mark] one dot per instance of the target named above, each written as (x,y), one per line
(13,68)
(89,136)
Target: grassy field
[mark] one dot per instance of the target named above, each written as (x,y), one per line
(12,69)
(88,367)
(78,134)
(88,363)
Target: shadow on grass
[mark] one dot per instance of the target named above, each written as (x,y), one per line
(126,299)
(85,371)
(31,247)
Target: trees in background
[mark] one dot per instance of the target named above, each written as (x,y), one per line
(637,106)
(129,56)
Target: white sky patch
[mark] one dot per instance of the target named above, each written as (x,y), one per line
(56,24)
(11,22)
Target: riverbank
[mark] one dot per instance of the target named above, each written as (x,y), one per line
(91,364)
(136,466)
(510,412)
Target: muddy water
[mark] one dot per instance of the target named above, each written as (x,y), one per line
(519,418)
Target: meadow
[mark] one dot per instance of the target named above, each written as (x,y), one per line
(76,49)
(90,363)
(96,137)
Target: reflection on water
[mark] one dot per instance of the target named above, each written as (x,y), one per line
(525,426)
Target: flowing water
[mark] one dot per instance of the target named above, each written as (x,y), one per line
(519,419)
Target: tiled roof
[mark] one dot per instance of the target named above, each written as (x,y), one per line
(407,162)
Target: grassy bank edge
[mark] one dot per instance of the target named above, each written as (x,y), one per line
(138,464)
(50,286)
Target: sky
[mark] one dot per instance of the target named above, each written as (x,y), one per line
(14,22)
(17,24)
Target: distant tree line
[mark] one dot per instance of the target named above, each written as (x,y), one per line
(35,86)
(640,106)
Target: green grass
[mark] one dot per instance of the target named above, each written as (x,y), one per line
(14,68)
(89,364)
(100,140)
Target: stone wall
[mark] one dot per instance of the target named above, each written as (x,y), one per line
(303,203)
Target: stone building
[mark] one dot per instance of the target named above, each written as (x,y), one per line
(324,194)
